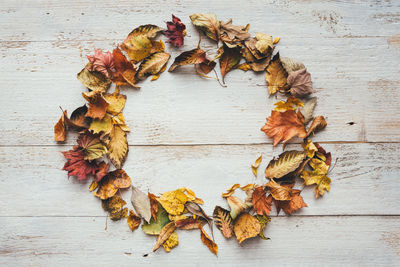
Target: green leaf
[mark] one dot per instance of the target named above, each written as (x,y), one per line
(154,227)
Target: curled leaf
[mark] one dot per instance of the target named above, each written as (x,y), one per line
(318,124)
(153,205)
(300,83)
(255,166)
(292,205)
(246,226)
(237,206)
(60,129)
(103,63)
(166,231)
(261,204)
(287,162)
(110,184)
(279,192)
(233,35)
(291,104)
(97,104)
(78,119)
(208,242)
(208,23)
(223,221)
(231,190)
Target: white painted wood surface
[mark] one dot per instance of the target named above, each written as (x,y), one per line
(190,131)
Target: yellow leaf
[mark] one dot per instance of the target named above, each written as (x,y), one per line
(116,102)
(248,187)
(173,201)
(287,162)
(120,121)
(114,206)
(133,220)
(276,40)
(291,104)
(140,47)
(231,190)
(276,76)
(166,231)
(117,146)
(171,242)
(310,148)
(103,126)
(264,42)
(256,165)
(93,186)
(109,184)
(321,181)
(94,80)
(244,66)
(155,64)
(191,195)
(175,218)
(246,226)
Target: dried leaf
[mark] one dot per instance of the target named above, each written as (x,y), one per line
(327,155)
(91,146)
(263,222)
(197,210)
(291,103)
(124,70)
(60,129)
(97,104)
(114,206)
(318,124)
(166,231)
(237,206)
(291,65)
(244,67)
(279,192)
(300,83)
(283,126)
(103,63)
(173,201)
(317,176)
(175,32)
(78,118)
(103,126)
(116,102)
(229,59)
(155,226)
(191,57)
(117,146)
(93,80)
(308,109)
(191,196)
(260,47)
(149,30)
(254,167)
(208,242)
(294,204)
(189,223)
(208,23)
(141,203)
(231,190)
(171,242)
(246,226)
(153,205)
(233,35)
(287,162)
(133,220)
(153,65)
(276,76)
(223,221)
(140,47)
(110,184)
(261,204)
(309,148)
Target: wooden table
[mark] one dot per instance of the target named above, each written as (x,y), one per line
(189,131)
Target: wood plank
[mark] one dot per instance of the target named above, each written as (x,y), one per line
(364,181)
(171,111)
(333,241)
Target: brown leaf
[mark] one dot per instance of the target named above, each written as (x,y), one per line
(284,126)
(93,80)
(191,57)
(115,207)
(318,124)
(292,205)
(230,58)
(60,129)
(124,70)
(287,162)
(276,76)
(153,205)
(78,118)
(260,47)
(166,231)
(110,184)
(279,192)
(208,23)
(233,35)
(97,104)
(300,83)
(189,223)
(133,220)
(223,221)
(208,242)
(261,204)
(246,226)
(153,65)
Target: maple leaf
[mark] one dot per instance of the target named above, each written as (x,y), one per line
(155,64)
(175,32)
(97,104)
(310,148)
(208,242)
(60,129)
(295,203)
(110,184)
(284,126)
(276,76)
(327,157)
(233,35)
(207,23)
(290,104)
(300,83)
(166,231)
(317,176)
(287,162)
(133,220)
(246,226)
(93,80)
(318,124)
(124,70)
(91,145)
(141,203)
(223,221)
(230,58)
(261,204)
(103,63)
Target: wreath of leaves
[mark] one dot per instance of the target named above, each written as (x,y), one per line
(102,131)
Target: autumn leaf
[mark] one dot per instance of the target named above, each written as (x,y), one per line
(255,166)
(153,65)
(116,103)
(189,223)
(208,242)
(252,62)
(140,47)
(278,191)
(318,124)
(60,129)
(233,35)
(91,145)
(191,196)
(166,231)
(173,201)
(295,203)
(223,221)
(261,204)
(117,146)
(287,162)
(110,184)
(141,203)
(300,83)
(207,23)
(261,46)
(245,227)
(155,225)
(97,104)
(78,119)
(230,58)
(153,205)
(93,186)
(263,222)
(308,109)
(231,190)
(237,206)
(317,176)
(191,57)
(114,206)
(310,148)
(291,65)
(133,220)
(276,76)
(93,80)
(149,30)
(283,126)
(292,103)
(103,63)
(124,70)
(198,211)
(175,32)
(327,157)
(171,242)
(103,126)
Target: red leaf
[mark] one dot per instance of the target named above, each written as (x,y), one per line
(103,63)
(176,31)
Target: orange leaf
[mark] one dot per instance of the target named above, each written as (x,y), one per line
(60,129)
(110,184)
(189,223)
(124,70)
(208,242)
(279,192)
(318,124)
(295,203)
(97,104)
(153,205)
(284,126)
(261,204)
(133,220)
